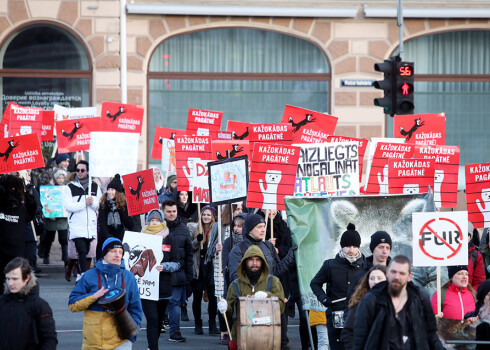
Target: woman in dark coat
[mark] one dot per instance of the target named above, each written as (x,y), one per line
(113,219)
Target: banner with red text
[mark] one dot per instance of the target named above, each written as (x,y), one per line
(272,175)
(362,148)
(20,153)
(140,192)
(162,133)
(74,134)
(239,130)
(478,194)
(409,176)
(328,169)
(229,149)
(187,146)
(446,173)
(4,123)
(203,123)
(279,133)
(63,113)
(198,180)
(421,129)
(224,135)
(25,120)
(309,126)
(378,175)
(120,117)
(47,129)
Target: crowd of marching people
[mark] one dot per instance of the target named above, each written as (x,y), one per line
(371,301)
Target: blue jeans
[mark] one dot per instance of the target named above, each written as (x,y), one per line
(177,299)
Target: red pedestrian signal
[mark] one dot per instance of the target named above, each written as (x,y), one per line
(404,87)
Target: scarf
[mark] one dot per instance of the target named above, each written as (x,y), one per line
(83,182)
(113,218)
(237,239)
(158,185)
(156,229)
(351,259)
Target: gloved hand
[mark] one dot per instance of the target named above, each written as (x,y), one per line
(327,302)
(291,250)
(260,295)
(222,306)
(199,237)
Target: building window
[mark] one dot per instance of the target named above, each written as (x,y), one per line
(248,74)
(42,65)
(452,75)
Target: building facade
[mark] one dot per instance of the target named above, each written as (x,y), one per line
(248,59)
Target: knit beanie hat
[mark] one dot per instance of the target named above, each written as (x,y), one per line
(116,184)
(170,179)
(452,270)
(351,237)
(251,221)
(62,157)
(212,209)
(379,237)
(154,214)
(483,290)
(111,243)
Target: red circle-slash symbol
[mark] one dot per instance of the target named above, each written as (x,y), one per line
(453,250)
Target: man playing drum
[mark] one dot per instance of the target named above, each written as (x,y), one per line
(99,326)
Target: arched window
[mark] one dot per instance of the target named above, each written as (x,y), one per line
(42,65)
(248,74)
(452,75)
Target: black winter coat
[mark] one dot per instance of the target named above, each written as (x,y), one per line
(26,320)
(182,239)
(170,254)
(368,263)
(282,234)
(372,315)
(105,231)
(339,276)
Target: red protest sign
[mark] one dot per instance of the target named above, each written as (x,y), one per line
(161,134)
(203,123)
(224,135)
(47,133)
(120,117)
(25,120)
(239,130)
(362,148)
(421,129)
(74,134)
(281,133)
(20,153)
(229,149)
(140,192)
(478,194)
(446,172)
(272,175)
(378,175)
(309,126)
(187,146)
(408,176)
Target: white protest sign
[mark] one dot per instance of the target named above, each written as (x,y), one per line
(440,238)
(328,169)
(198,180)
(113,153)
(63,113)
(142,252)
(168,155)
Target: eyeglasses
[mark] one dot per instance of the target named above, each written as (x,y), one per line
(80,170)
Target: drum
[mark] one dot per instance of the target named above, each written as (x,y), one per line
(114,301)
(258,324)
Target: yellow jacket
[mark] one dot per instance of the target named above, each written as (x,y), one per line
(317,317)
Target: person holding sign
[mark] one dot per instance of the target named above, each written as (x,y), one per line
(457,295)
(113,219)
(338,274)
(396,314)
(170,192)
(155,310)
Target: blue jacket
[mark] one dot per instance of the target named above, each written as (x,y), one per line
(81,299)
(168,195)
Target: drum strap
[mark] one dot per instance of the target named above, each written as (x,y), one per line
(100,284)
(237,292)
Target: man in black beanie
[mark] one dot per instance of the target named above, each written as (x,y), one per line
(380,246)
(338,274)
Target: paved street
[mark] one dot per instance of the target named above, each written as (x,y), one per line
(55,290)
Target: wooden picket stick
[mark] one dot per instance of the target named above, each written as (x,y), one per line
(439,307)
(266,221)
(220,274)
(272,227)
(226,321)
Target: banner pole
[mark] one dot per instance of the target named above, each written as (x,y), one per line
(272,228)
(266,222)
(309,329)
(226,321)
(220,274)
(200,222)
(439,306)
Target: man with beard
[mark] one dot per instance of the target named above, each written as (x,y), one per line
(253,279)
(338,274)
(396,314)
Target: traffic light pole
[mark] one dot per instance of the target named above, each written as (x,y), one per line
(399,11)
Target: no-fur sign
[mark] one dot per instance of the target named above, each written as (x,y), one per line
(440,238)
